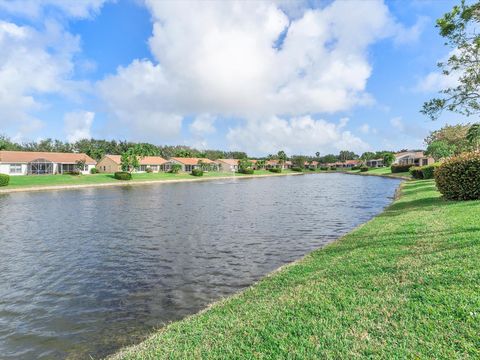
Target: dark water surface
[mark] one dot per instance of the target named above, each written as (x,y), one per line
(84,272)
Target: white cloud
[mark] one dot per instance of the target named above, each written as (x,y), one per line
(33,63)
(365,129)
(220,58)
(36,8)
(78,125)
(406,35)
(297,135)
(203,125)
(436,80)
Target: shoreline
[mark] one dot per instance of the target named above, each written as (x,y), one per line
(377,290)
(134,183)
(126,351)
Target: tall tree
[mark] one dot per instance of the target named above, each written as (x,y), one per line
(455,135)
(440,149)
(473,136)
(459,27)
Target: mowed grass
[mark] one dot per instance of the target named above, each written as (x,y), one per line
(56,180)
(384,171)
(406,285)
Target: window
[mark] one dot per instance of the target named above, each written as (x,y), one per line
(15,168)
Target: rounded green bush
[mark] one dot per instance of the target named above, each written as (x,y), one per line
(197,172)
(397,168)
(428,171)
(148,170)
(333,168)
(324,168)
(297,169)
(122,175)
(458,178)
(275,170)
(247,171)
(416,172)
(93,171)
(4,179)
(364,168)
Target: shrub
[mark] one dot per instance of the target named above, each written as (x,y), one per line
(356,167)
(247,171)
(275,170)
(197,172)
(4,179)
(148,170)
(416,172)
(333,168)
(122,175)
(74,172)
(93,171)
(364,168)
(297,169)
(175,168)
(428,171)
(458,178)
(324,168)
(399,168)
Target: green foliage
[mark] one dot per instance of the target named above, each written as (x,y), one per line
(356,167)
(4,179)
(275,170)
(197,172)
(298,161)
(93,171)
(473,136)
(175,168)
(129,160)
(297,169)
(416,172)
(440,149)
(388,158)
(397,168)
(453,135)
(324,168)
(459,28)
(458,178)
(347,155)
(148,170)
(248,171)
(364,168)
(333,168)
(122,175)
(428,171)
(80,165)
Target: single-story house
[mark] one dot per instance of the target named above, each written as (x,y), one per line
(374,163)
(41,163)
(311,164)
(188,164)
(288,164)
(416,158)
(112,163)
(227,165)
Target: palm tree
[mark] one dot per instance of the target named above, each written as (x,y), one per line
(473,136)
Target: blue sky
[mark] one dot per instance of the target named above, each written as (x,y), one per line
(348,75)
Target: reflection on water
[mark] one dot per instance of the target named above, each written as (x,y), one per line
(84,272)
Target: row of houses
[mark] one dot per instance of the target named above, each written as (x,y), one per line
(39,163)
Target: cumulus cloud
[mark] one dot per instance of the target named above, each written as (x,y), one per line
(203,125)
(249,60)
(296,135)
(33,63)
(78,125)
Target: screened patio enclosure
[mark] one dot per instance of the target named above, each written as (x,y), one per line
(40,167)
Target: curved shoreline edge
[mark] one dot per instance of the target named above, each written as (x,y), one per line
(135,183)
(126,352)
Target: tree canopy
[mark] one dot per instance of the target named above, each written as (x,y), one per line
(460,30)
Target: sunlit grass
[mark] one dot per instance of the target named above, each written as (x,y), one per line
(405,285)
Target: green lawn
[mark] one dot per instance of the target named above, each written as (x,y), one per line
(406,285)
(385,171)
(52,180)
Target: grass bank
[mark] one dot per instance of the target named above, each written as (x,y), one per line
(45,181)
(383,171)
(404,285)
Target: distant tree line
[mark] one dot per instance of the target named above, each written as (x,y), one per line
(96,149)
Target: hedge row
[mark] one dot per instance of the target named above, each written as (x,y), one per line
(4,179)
(423,172)
(247,171)
(122,175)
(397,168)
(275,170)
(458,178)
(364,168)
(297,169)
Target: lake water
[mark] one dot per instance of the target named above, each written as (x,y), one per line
(84,272)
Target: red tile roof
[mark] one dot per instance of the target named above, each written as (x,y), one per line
(28,156)
(146,160)
(192,161)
